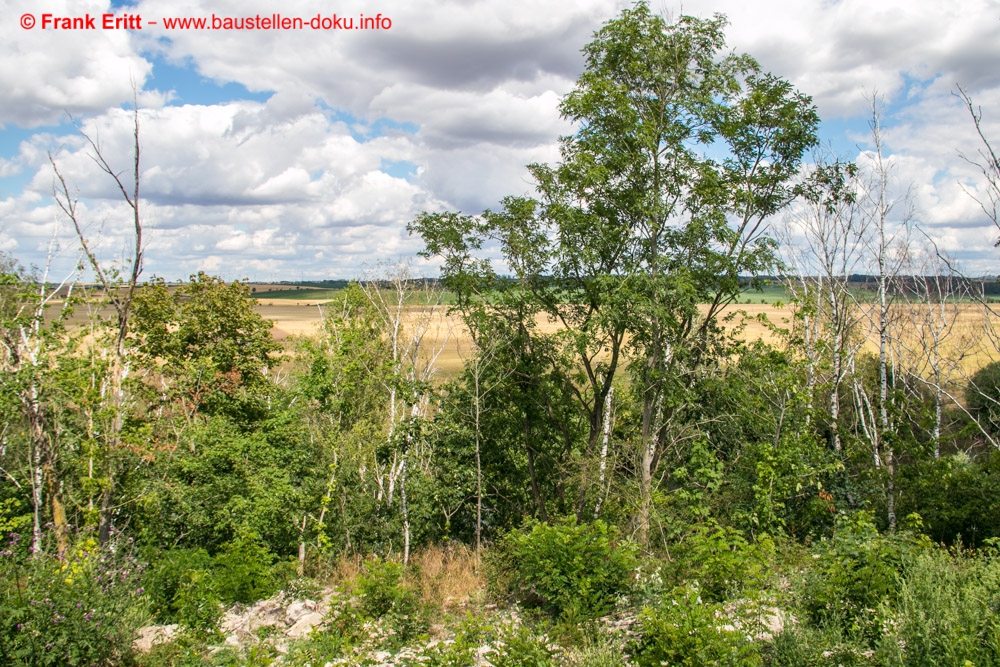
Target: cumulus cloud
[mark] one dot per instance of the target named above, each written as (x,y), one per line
(46,73)
(242,182)
(466,93)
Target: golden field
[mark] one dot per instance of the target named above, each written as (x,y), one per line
(444,329)
(445,332)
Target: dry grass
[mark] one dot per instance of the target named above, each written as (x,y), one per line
(445,576)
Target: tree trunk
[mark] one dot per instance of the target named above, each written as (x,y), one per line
(536,493)
(604,453)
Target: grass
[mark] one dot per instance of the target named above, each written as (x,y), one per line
(314,294)
(770,295)
(444,575)
(307,294)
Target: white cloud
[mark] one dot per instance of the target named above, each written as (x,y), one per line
(240,182)
(45,73)
(290,185)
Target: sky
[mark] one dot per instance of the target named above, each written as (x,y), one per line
(287,154)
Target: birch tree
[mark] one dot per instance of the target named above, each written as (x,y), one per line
(825,243)
(938,348)
(30,348)
(410,313)
(888,216)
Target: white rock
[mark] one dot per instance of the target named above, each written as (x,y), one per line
(152,635)
(305,624)
(297,610)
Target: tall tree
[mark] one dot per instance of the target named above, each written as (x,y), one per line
(659,204)
(824,246)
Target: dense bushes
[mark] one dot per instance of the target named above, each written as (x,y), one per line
(948,611)
(855,578)
(686,630)
(82,609)
(983,397)
(569,570)
(928,606)
(189,586)
(721,562)
(957,496)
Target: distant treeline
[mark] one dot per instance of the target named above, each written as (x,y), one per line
(989,286)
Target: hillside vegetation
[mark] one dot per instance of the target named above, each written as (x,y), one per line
(580,459)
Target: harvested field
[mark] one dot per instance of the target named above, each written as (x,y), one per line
(302,317)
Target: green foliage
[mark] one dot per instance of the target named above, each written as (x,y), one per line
(811,646)
(723,563)
(380,610)
(182,589)
(948,611)
(943,613)
(190,587)
(855,576)
(517,646)
(776,466)
(506,643)
(345,366)
(718,450)
(686,630)
(569,570)
(227,482)
(211,344)
(187,649)
(318,649)
(983,397)
(384,594)
(631,230)
(81,610)
(957,496)
(463,651)
(245,571)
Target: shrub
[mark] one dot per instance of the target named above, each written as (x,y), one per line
(722,562)
(385,595)
(83,610)
(983,397)
(855,572)
(463,651)
(517,646)
(189,586)
(685,630)
(947,613)
(245,571)
(568,570)
(384,612)
(957,497)
(181,588)
(508,644)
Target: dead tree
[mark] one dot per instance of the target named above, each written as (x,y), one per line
(119,292)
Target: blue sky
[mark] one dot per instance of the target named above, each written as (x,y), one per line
(288,154)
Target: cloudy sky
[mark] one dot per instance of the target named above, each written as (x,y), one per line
(286,154)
